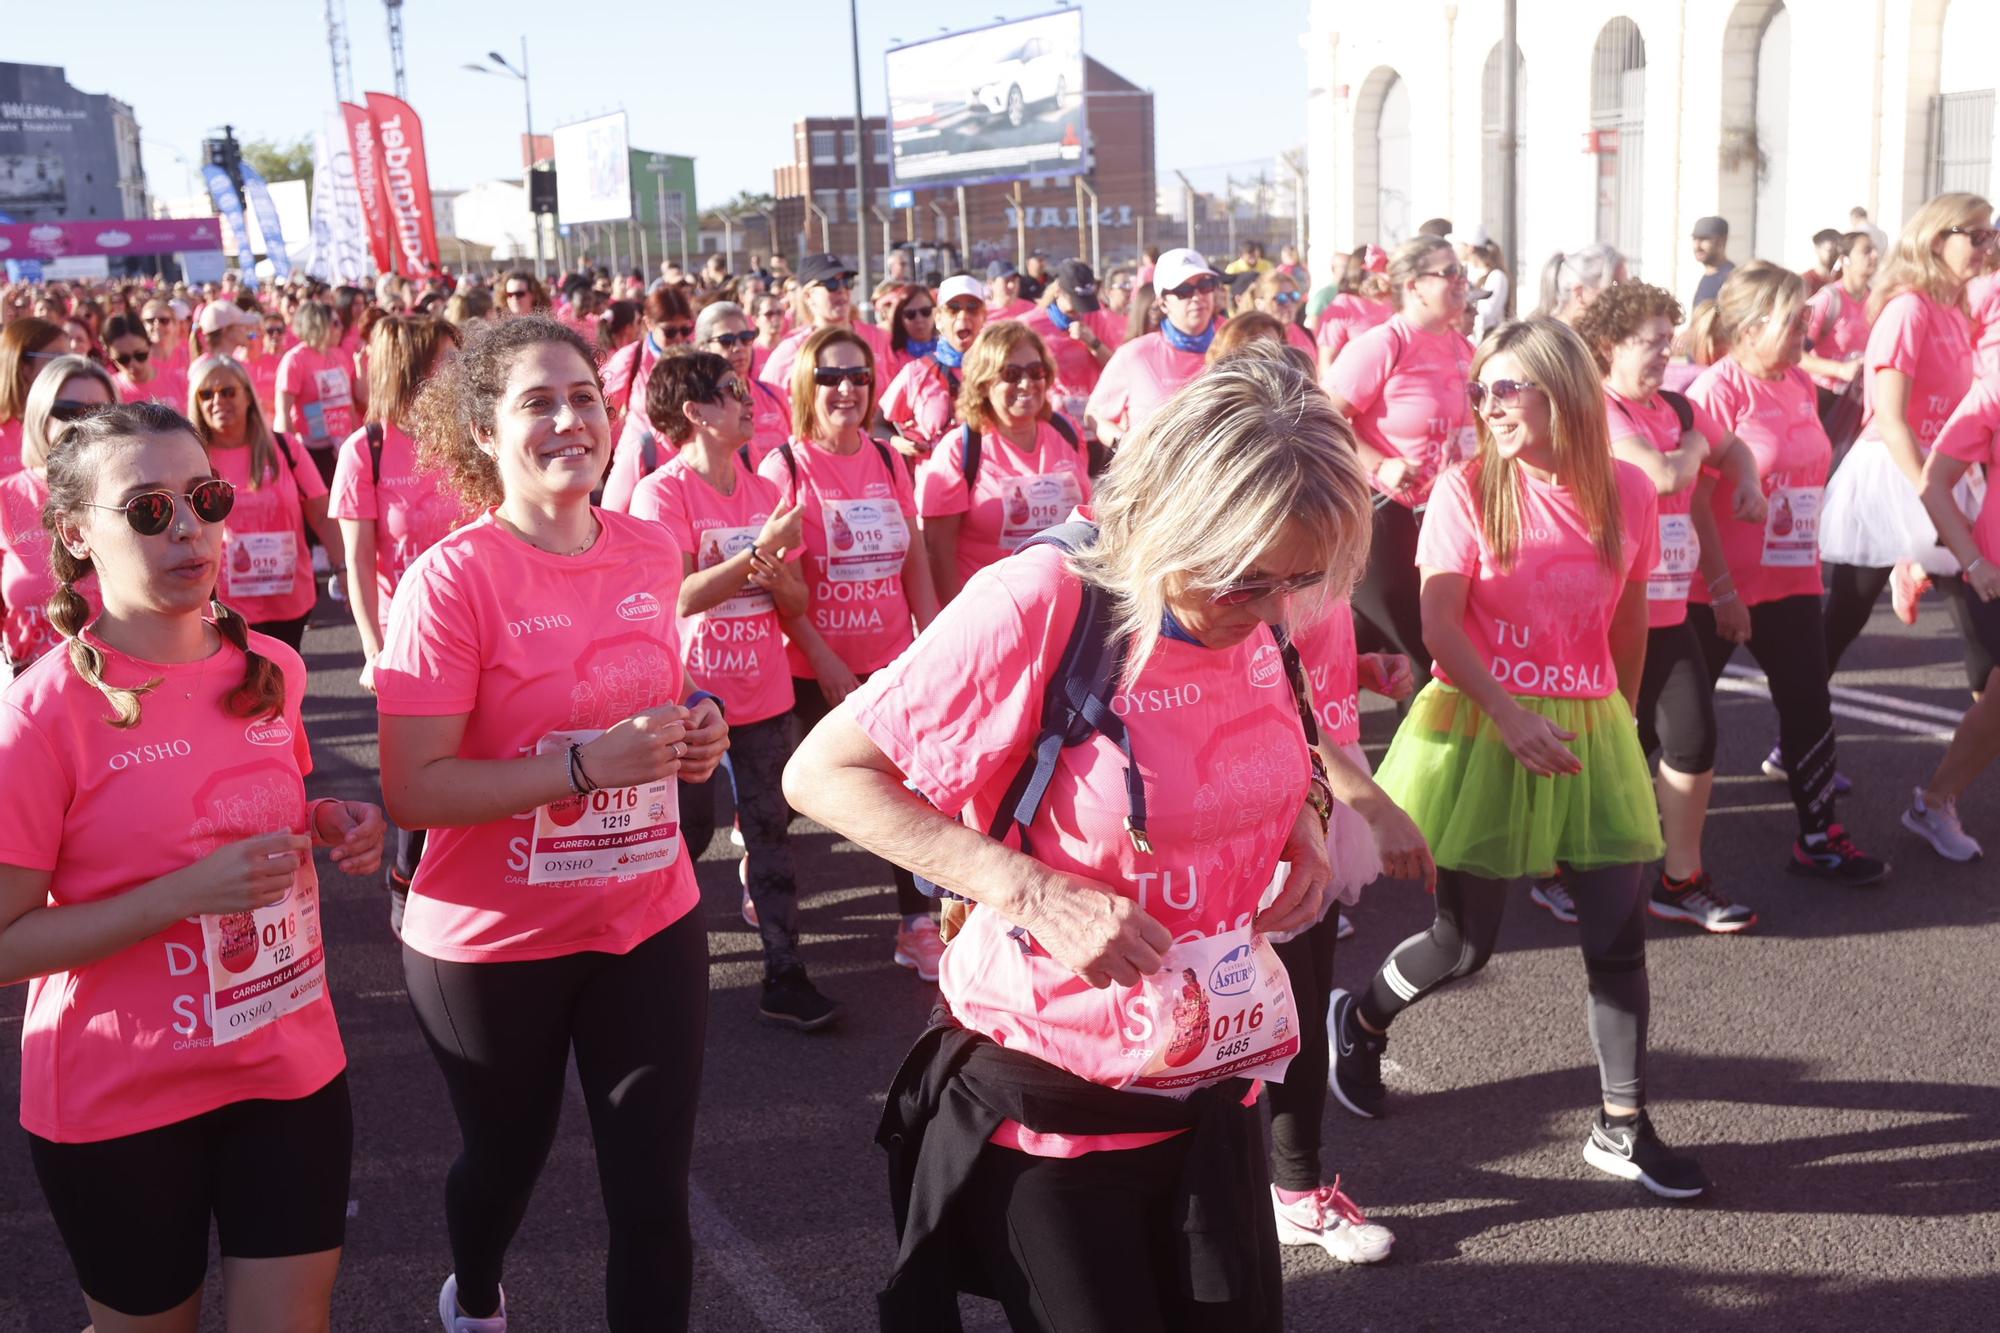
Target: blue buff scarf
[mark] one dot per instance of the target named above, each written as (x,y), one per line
(917,351)
(1058,318)
(1188,342)
(948,356)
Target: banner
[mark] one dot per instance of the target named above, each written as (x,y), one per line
(339,252)
(406,186)
(267,221)
(1002,102)
(230,206)
(368,180)
(35,241)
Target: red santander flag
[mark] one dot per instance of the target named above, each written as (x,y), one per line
(361,138)
(406,182)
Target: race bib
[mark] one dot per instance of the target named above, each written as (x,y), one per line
(721,544)
(865,540)
(1791,528)
(1036,503)
(1680,552)
(260,564)
(332,384)
(264,964)
(1222,1006)
(611,833)
(315,414)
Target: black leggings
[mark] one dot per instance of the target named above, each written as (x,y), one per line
(1786,639)
(1611,921)
(1851,593)
(1297,1104)
(1677,700)
(809,706)
(1387,610)
(757,755)
(502,1034)
(291,632)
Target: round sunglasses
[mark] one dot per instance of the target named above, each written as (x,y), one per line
(151,512)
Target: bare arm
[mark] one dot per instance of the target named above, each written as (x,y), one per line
(363,597)
(941,537)
(1891,391)
(1533,739)
(1628,640)
(1941,474)
(1670,473)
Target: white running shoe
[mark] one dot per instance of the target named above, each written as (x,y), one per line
(749,907)
(1552,896)
(1345,929)
(1329,1219)
(457,1321)
(1938,825)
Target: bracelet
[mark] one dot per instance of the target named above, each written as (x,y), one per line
(579,781)
(1722,601)
(1977,561)
(699,695)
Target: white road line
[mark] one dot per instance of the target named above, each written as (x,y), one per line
(1866,698)
(719,1242)
(1756,685)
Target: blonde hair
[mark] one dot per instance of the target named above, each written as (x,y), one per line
(42,398)
(989,354)
(1912,263)
(256,431)
(1554,359)
(313,322)
(1408,262)
(1206,484)
(401,351)
(806,423)
(1758,290)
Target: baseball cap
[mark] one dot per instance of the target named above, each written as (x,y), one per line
(1176,266)
(1710,229)
(818,268)
(219,315)
(1376,260)
(1075,280)
(1001,268)
(959,286)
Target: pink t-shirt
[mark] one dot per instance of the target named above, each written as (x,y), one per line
(735,650)
(624,376)
(264,382)
(858,519)
(1014,496)
(125,1044)
(266,571)
(1077,371)
(523,643)
(26,581)
(1837,326)
(1333,669)
(1973,436)
(1655,425)
(921,403)
(771,414)
(411,507)
(1216,736)
(777,370)
(1778,421)
(1543,627)
(1344,317)
(1930,343)
(1405,393)
(1982,298)
(1139,379)
(169,385)
(321,385)
(11,433)
(1013,309)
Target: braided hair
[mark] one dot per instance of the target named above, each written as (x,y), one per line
(72,473)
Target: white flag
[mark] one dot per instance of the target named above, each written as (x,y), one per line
(339,236)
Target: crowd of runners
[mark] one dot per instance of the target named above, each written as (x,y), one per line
(1054,590)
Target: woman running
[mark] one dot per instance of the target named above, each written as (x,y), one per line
(180,1063)
(1767,595)
(867,567)
(69,388)
(1150,368)
(535,714)
(1522,755)
(921,402)
(1010,472)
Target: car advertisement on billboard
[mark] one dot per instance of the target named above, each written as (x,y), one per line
(993,103)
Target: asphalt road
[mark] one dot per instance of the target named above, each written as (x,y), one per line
(1835,1069)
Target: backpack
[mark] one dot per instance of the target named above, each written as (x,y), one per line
(792,463)
(1076,705)
(968,446)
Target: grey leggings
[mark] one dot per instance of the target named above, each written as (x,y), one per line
(1611,916)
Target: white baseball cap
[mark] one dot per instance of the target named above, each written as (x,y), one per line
(963,284)
(1176,267)
(219,315)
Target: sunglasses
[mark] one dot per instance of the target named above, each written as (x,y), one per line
(516,293)
(226,392)
(676,332)
(1287,298)
(832,284)
(67,410)
(274,331)
(828,377)
(1507,392)
(1453,274)
(736,389)
(726,341)
(1038,372)
(150,512)
(1981,237)
(1201,286)
(1256,590)
(919,312)
(156,319)
(128,358)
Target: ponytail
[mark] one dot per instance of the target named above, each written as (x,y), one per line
(69,613)
(261,692)
(1705,342)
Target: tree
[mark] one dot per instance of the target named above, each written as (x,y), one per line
(281,161)
(744,201)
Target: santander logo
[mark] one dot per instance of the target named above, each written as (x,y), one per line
(268,731)
(639,606)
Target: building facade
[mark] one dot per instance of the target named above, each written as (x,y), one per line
(1637,117)
(65,153)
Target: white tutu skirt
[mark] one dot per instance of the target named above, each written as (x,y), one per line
(1350,845)
(1872,516)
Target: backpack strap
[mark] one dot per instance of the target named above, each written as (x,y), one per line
(285,449)
(649,453)
(375,434)
(1065,429)
(968,455)
(1683,412)
(744,454)
(791,468)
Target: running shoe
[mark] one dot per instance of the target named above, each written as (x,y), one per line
(1550,895)
(1632,1151)
(791,1000)
(1354,1071)
(736,837)
(1699,903)
(1833,855)
(1345,930)
(1938,825)
(1774,768)
(1907,585)
(457,1321)
(920,947)
(749,907)
(1329,1219)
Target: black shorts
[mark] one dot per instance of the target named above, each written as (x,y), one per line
(134,1211)
(1979,624)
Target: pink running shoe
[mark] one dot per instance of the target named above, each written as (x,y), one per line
(1907,585)
(920,947)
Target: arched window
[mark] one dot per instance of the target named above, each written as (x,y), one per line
(1618,133)
(1382,160)
(1774,92)
(1489,159)
(1756,91)
(1962,112)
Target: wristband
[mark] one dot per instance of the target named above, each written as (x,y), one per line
(1977,561)
(1722,601)
(579,781)
(699,695)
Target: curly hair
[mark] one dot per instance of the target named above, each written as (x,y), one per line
(1618,314)
(462,400)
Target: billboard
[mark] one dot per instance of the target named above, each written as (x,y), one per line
(593,170)
(993,103)
(65,153)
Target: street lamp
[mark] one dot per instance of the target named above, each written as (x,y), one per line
(500,66)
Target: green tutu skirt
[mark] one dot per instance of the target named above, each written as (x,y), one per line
(1485,814)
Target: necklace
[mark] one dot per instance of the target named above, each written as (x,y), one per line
(588,542)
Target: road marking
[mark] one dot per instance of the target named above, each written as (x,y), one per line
(1740,680)
(742,1266)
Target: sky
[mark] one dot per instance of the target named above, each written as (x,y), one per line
(722,82)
